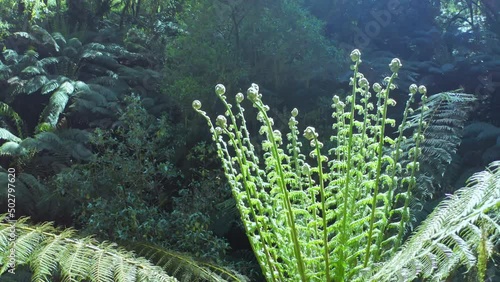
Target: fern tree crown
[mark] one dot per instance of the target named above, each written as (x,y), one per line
(338,211)
(337,214)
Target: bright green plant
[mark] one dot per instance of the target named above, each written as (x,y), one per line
(341,215)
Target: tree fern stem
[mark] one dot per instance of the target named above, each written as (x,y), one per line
(326,253)
(380,152)
(340,271)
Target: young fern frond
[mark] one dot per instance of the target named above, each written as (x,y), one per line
(337,215)
(330,212)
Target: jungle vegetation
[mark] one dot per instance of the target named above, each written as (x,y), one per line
(99,138)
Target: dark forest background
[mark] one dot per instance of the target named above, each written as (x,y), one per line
(95,99)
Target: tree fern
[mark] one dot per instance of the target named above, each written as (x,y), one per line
(47,250)
(338,215)
(93,63)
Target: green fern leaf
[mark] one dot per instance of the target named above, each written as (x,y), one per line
(34,84)
(44,36)
(31,71)
(446,113)
(7,111)
(47,61)
(11,56)
(59,38)
(6,135)
(11,148)
(184,267)
(5,71)
(57,104)
(47,250)
(447,237)
(50,86)
(25,35)
(102,267)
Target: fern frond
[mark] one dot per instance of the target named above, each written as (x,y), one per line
(446,114)
(32,71)
(29,191)
(5,71)
(449,236)
(185,268)
(6,135)
(44,36)
(26,35)
(47,250)
(94,100)
(107,80)
(33,84)
(43,141)
(11,148)
(11,56)
(50,86)
(59,38)
(7,111)
(57,104)
(47,61)
(74,43)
